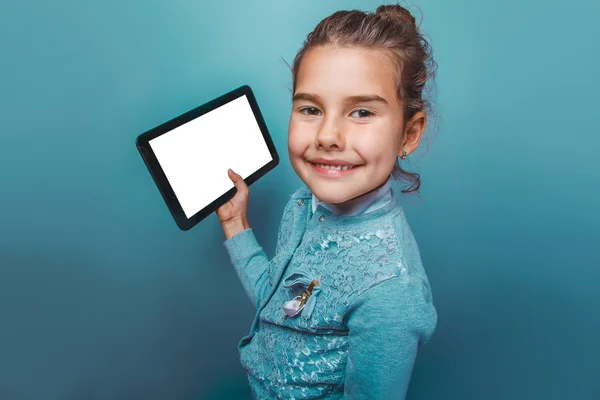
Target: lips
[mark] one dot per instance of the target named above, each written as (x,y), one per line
(333,162)
(333,172)
(333,167)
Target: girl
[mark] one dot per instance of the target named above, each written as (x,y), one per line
(345,303)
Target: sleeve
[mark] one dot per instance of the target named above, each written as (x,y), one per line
(250,263)
(387,324)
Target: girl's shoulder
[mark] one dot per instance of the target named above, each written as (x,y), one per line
(378,250)
(369,253)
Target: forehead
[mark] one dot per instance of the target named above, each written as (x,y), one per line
(347,71)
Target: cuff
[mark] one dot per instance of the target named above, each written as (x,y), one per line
(242,245)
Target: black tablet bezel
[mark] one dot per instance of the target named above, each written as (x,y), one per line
(143,146)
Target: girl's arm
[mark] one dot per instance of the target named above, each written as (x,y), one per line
(387,324)
(250,263)
(248,258)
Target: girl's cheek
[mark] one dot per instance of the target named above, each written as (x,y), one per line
(374,153)
(298,135)
(295,144)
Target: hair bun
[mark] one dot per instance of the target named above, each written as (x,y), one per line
(395,12)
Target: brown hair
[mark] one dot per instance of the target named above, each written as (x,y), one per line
(391,28)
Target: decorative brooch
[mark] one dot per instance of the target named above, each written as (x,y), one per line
(305,302)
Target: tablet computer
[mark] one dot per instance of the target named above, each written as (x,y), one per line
(188,156)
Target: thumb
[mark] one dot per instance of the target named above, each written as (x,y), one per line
(237,179)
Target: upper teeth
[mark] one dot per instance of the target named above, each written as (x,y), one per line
(334,167)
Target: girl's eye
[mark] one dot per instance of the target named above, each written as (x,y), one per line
(362,113)
(310,111)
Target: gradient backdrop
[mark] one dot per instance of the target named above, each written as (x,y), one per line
(103,297)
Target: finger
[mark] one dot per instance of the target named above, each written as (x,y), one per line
(237,180)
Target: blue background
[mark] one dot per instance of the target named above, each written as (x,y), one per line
(103,297)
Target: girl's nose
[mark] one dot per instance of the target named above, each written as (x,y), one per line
(330,134)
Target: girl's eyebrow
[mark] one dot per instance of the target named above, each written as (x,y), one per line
(348,100)
(307,96)
(365,99)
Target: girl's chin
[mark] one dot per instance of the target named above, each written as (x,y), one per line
(328,194)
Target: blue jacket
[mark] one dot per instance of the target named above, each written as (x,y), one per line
(358,333)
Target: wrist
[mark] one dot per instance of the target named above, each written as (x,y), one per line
(235,226)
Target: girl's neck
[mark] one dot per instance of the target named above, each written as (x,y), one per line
(364,203)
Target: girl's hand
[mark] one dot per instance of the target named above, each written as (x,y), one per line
(235,210)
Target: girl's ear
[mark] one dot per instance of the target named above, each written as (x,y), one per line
(412,133)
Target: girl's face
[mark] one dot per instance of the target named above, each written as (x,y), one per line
(345,108)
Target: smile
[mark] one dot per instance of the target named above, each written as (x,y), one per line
(343,167)
(331,171)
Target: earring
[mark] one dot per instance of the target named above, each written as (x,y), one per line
(403,156)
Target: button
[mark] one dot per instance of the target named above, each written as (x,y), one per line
(300,202)
(321,218)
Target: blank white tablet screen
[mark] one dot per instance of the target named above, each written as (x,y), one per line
(196,156)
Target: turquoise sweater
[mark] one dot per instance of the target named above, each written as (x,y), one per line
(358,333)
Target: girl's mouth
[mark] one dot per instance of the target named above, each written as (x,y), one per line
(333,172)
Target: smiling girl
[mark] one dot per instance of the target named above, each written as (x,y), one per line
(345,304)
